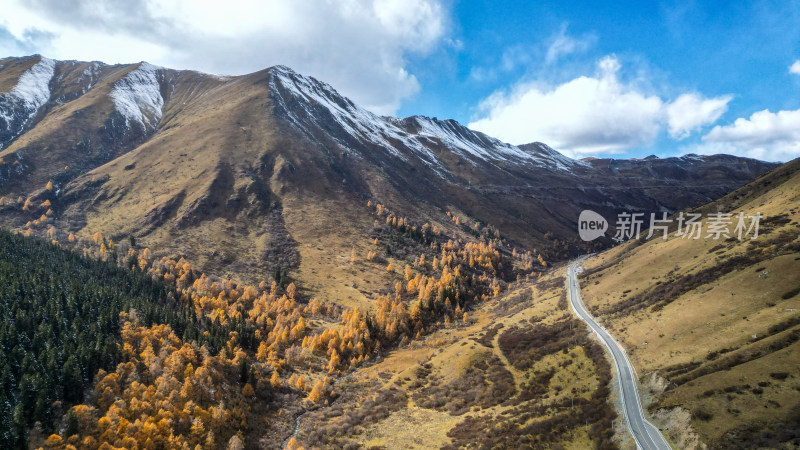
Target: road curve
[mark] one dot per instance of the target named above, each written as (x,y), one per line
(647,436)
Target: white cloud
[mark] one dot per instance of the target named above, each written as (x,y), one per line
(765,135)
(690,112)
(564,44)
(795,68)
(359,46)
(592,115)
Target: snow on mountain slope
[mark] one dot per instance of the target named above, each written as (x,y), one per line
(317,99)
(454,136)
(312,106)
(551,156)
(309,103)
(137,96)
(21,103)
(91,73)
(474,144)
(32,89)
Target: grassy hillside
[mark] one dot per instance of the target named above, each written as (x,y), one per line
(713,325)
(283,351)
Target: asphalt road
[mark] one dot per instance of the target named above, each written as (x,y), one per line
(647,436)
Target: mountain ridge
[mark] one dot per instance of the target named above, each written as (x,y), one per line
(137,95)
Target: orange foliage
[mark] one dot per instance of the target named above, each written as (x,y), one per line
(157,396)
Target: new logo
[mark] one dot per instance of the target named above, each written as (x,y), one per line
(591,225)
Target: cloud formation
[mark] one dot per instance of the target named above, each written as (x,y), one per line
(689,112)
(765,135)
(795,68)
(563,44)
(520,56)
(359,46)
(593,115)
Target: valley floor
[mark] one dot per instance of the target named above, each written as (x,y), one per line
(521,372)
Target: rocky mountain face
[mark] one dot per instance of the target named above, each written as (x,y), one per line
(245,173)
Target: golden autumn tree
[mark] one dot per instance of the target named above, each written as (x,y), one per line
(318,392)
(334,361)
(292,444)
(275,379)
(54,441)
(248,391)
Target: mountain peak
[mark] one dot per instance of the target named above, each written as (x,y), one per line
(280,68)
(20,105)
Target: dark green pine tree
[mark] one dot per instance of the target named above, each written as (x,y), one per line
(59,324)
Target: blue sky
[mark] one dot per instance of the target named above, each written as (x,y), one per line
(714,49)
(589,78)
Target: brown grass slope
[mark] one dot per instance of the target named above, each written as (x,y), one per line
(223,184)
(719,320)
(12,69)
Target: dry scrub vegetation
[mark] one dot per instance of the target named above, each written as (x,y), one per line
(518,374)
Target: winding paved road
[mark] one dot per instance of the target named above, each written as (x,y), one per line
(647,436)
